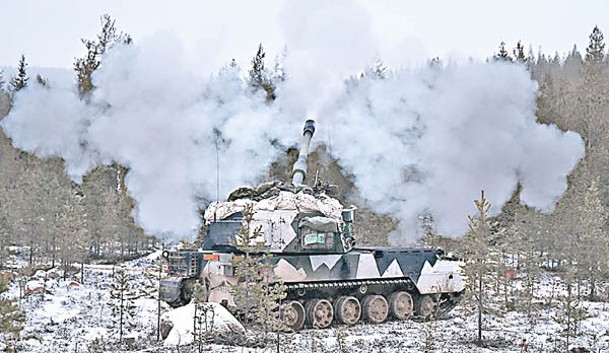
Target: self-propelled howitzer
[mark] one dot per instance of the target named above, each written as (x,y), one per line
(310,238)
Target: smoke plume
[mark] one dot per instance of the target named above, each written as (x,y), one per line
(420,141)
(427,141)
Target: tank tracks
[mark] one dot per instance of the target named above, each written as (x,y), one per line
(319,304)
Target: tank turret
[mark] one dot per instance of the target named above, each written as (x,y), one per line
(310,239)
(292,218)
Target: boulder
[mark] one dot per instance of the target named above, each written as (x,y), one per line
(32,287)
(73,285)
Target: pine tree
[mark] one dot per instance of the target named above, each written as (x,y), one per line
(259,77)
(571,310)
(593,239)
(248,268)
(531,60)
(257,295)
(503,54)
(573,65)
(541,61)
(257,72)
(203,318)
(378,69)
(430,236)
(100,203)
(5,228)
(528,260)
(153,289)
(198,244)
(590,104)
(106,39)
(2,81)
(595,52)
(20,81)
(279,74)
(71,232)
(480,266)
(556,60)
(519,55)
(122,298)
(503,264)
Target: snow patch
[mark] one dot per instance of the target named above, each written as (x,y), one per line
(181,321)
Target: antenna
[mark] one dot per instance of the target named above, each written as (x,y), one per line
(216,135)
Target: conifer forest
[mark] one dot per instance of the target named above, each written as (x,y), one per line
(502,163)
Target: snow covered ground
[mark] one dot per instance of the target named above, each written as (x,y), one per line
(77,318)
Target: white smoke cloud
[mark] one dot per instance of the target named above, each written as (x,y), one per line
(327,41)
(153,114)
(427,141)
(423,141)
(52,122)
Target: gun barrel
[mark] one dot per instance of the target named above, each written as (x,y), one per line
(299,171)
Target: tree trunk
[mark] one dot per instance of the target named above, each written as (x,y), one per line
(592,296)
(480,307)
(569,290)
(31,254)
(53,253)
(120,322)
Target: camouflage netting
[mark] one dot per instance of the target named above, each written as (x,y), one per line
(276,198)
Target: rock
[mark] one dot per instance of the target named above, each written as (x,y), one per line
(32,287)
(166,326)
(54,273)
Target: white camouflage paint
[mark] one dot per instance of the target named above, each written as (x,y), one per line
(393,270)
(445,276)
(328,260)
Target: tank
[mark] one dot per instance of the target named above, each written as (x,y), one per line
(311,241)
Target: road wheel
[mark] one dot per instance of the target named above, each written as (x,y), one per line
(401,305)
(375,308)
(425,307)
(348,310)
(293,315)
(319,313)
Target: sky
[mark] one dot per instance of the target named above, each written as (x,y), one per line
(407,32)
